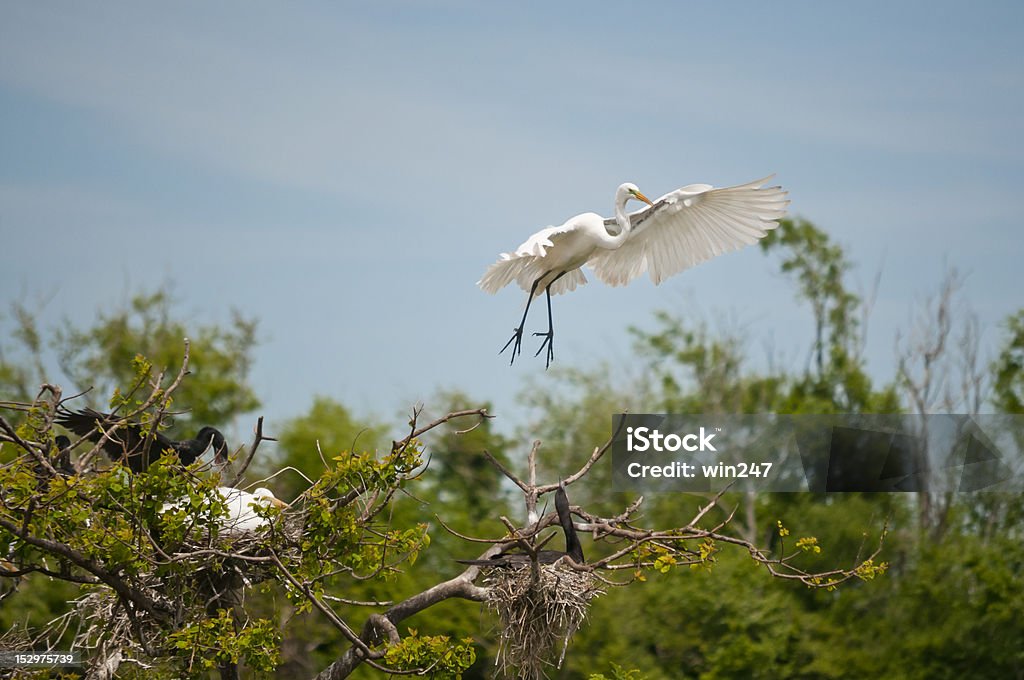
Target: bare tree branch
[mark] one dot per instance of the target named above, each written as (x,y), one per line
(461,587)
(259,438)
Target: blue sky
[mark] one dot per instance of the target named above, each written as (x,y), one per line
(346,171)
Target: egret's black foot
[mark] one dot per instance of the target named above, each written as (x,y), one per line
(517,338)
(549,342)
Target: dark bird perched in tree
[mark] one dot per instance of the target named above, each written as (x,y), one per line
(128,442)
(573,547)
(61,461)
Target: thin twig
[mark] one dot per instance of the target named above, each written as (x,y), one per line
(260,437)
(482,412)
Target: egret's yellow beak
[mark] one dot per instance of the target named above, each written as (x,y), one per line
(278,503)
(642,198)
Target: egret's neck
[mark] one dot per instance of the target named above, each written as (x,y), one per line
(622,219)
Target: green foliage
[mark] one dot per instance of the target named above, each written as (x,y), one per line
(869,570)
(692,623)
(21,365)
(934,614)
(107,519)
(945,608)
(337,537)
(618,673)
(31,603)
(968,591)
(215,640)
(697,372)
(114,527)
(809,544)
(333,538)
(377,560)
(219,365)
(459,471)
(1008,368)
(325,430)
(445,658)
(104,356)
(573,416)
(840,379)
(567,408)
(819,267)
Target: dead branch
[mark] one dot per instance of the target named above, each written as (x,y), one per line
(259,438)
(416,432)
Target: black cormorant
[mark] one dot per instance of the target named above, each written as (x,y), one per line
(60,460)
(573,547)
(127,441)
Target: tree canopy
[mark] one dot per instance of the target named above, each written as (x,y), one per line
(356,577)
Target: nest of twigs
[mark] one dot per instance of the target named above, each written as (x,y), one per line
(538,610)
(108,636)
(111,633)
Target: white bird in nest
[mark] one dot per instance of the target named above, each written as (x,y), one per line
(241,519)
(679,230)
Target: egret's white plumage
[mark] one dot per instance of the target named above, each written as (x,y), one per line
(241,516)
(679,230)
(688,226)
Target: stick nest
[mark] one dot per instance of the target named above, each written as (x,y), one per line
(110,633)
(537,610)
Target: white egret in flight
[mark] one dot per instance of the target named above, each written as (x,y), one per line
(679,230)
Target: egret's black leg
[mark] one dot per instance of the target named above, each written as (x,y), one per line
(549,337)
(517,334)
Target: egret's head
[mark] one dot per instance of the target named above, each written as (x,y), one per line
(266,496)
(631,190)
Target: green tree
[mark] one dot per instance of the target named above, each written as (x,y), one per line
(308,442)
(21,362)
(943,608)
(359,528)
(691,368)
(462,475)
(164,579)
(104,355)
(99,357)
(839,381)
(1008,368)
(697,370)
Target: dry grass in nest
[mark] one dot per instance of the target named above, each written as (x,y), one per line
(537,612)
(108,635)
(105,634)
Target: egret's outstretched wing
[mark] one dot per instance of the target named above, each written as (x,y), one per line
(526,264)
(688,226)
